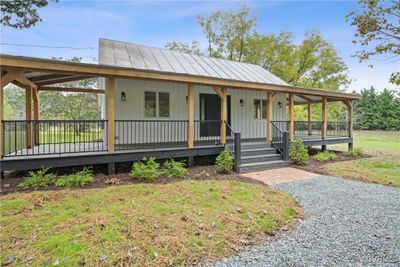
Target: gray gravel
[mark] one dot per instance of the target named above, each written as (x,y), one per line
(349,224)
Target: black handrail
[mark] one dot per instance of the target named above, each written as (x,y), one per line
(280,140)
(236,153)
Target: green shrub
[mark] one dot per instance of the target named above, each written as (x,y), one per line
(81,178)
(146,170)
(174,169)
(39,178)
(355,152)
(324,156)
(224,161)
(298,152)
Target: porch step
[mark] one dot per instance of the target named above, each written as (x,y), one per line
(260,158)
(258,151)
(258,166)
(259,155)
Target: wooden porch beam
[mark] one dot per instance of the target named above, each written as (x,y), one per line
(218,91)
(75,90)
(63,79)
(111,114)
(9,77)
(324,115)
(305,98)
(25,81)
(36,139)
(269,116)
(291,117)
(191,115)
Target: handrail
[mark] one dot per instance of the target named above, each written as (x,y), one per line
(280,140)
(280,133)
(236,153)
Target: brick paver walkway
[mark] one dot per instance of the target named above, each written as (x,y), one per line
(281,175)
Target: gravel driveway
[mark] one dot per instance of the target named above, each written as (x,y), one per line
(349,224)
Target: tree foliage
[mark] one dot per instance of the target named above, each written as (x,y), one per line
(193,48)
(21,14)
(378,31)
(378,110)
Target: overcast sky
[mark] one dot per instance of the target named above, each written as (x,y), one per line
(79,24)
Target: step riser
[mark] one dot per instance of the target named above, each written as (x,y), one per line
(253,146)
(261,159)
(263,167)
(258,152)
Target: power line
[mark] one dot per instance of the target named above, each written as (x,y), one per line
(47,46)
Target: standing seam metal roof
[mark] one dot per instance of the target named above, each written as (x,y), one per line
(123,54)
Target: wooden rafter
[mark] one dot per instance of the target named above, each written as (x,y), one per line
(63,80)
(69,89)
(9,77)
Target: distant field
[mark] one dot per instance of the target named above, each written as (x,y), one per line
(375,142)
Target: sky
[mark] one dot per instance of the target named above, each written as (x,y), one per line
(77,26)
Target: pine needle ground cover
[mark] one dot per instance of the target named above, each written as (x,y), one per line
(178,223)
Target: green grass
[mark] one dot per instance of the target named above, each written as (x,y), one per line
(140,224)
(380,170)
(375,142)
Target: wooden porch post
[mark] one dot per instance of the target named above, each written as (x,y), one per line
(1,122)
(309,111)
(28,115)
(190,140)
(36,116)
(349,105)
(291,117)
(324,122)
(269,116)
(111,114)
(224,115)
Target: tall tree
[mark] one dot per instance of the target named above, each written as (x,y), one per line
(227,32)
(378,31)
(21,14)
(193,48)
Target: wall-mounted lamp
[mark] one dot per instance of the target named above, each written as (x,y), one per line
(241,102)
(279,104)
(187,99)
(123,96)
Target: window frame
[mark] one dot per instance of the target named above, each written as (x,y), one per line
(263,105)
(157,105)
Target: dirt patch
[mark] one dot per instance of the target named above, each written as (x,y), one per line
(281,175)
(10,184)
(317,167)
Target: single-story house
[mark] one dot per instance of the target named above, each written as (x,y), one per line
(165,104)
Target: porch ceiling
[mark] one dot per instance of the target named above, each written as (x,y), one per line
(42,72)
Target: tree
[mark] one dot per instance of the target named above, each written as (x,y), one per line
(21,14)
(193,48)
(378,31)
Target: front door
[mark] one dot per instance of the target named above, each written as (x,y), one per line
(210,110)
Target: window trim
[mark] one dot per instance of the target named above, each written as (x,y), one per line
(261,103)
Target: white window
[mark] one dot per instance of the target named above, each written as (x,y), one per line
(156,103)
(260,109)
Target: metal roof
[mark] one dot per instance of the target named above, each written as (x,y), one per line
(128,55)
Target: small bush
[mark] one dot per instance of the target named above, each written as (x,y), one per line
(40,178)
(81,178)
(174,169)
(324,156)
(224,161)
(355,152)
(146,170)
(298,153)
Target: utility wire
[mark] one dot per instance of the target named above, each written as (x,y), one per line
(47,46)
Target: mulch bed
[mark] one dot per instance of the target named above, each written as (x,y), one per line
(10,183)
(317,166)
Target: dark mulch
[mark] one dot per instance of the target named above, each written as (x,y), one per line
(317,166)
(10,184)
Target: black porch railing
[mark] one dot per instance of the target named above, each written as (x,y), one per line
(280,139)
(207,132)
(337,129)
(307,129)
(150,134)
(42,137)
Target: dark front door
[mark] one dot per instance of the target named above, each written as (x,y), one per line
(210,114)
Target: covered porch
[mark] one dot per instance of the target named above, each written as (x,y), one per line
(57,142)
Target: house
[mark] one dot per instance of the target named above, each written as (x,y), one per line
(166,104)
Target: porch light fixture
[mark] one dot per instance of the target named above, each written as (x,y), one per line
(279,104)
(241,102)
(187,99)
(123,96)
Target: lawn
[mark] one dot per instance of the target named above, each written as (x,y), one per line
(375,142)
(381,170)
(174,224)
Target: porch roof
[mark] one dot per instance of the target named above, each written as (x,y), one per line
(40,72)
